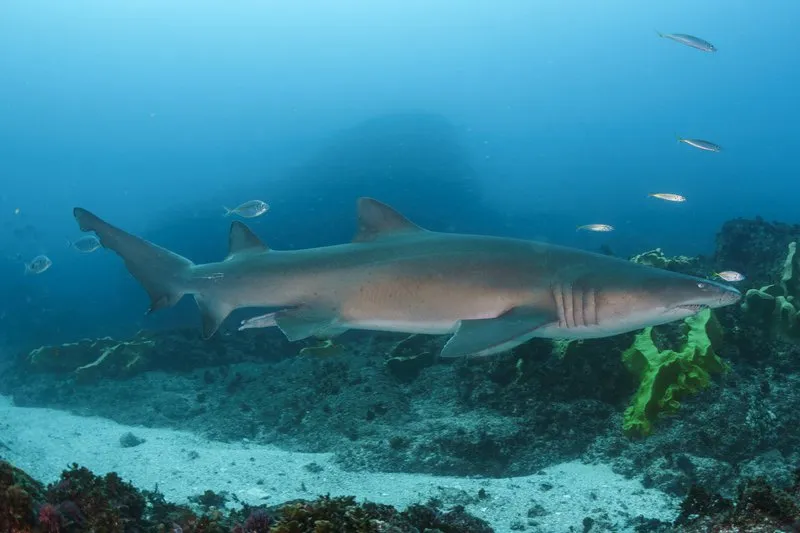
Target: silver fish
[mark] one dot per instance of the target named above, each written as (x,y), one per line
(707,146)
(251,209)
(85,245)
(668,196)
(596,227)
(689,40)
(38,264)
(489,294)
(730,275)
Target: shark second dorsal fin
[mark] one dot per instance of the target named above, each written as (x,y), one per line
(242,240)
(377,220)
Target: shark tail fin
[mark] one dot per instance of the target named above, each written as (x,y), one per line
(163,274)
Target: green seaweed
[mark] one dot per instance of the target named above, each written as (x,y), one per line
(666,376)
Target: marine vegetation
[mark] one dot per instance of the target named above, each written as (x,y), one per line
(668,375)
(776,305)
(81,501)
(758,508)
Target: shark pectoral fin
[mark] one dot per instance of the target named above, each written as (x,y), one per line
(213,312)
(303,322)
(495,335)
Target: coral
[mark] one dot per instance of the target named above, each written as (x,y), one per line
(410,356)
(102,503)
(323,348)
(754,247)
(19,497)
(656,258)
(81,502)
(90,360)
(666,376)
(258,521)
(759,507)
(777,304)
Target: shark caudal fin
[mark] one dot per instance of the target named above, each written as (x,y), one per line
(164,275)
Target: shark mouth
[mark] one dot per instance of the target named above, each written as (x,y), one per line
(694,308)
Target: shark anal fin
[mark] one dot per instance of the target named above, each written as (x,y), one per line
(271,320)
(260,321)
(377,220)
(303,322)
(242,240)
(495,335)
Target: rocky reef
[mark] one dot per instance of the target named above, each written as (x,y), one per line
(82,502)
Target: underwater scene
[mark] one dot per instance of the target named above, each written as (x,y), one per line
(399,267)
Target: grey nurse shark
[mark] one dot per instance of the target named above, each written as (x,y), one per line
(490,293)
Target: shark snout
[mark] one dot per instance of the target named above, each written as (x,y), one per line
(730,296)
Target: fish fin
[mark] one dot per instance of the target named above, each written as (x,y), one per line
(261,321)
(213,313)
(228,212)
(163,274)
(242,240)
(303,322)
(377,220)
(495,335)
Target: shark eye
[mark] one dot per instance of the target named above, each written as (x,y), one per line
(701,285)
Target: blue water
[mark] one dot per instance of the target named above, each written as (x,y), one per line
(155,114)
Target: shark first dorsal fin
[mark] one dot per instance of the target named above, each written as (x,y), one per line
(377,220)
(242,240)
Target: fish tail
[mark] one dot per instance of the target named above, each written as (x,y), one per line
(69,243)
(678,138)
(227,211)
(165,275)
(659,33)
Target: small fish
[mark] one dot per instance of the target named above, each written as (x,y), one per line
(730,275)
(251,209)
(668,196)
(39,264)
(85,245)
(707,146)
(689,40)
(596,227)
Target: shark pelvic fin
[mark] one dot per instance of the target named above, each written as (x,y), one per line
(213,313)
(162,273)
(303,322)
(495,335)
(242,240)
(377,220)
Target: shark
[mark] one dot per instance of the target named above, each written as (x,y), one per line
(490,294)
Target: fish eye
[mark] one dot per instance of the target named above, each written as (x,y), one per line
(701,285)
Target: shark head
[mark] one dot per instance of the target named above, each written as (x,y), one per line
(658,297)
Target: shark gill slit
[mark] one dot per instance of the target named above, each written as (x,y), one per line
(576,306)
